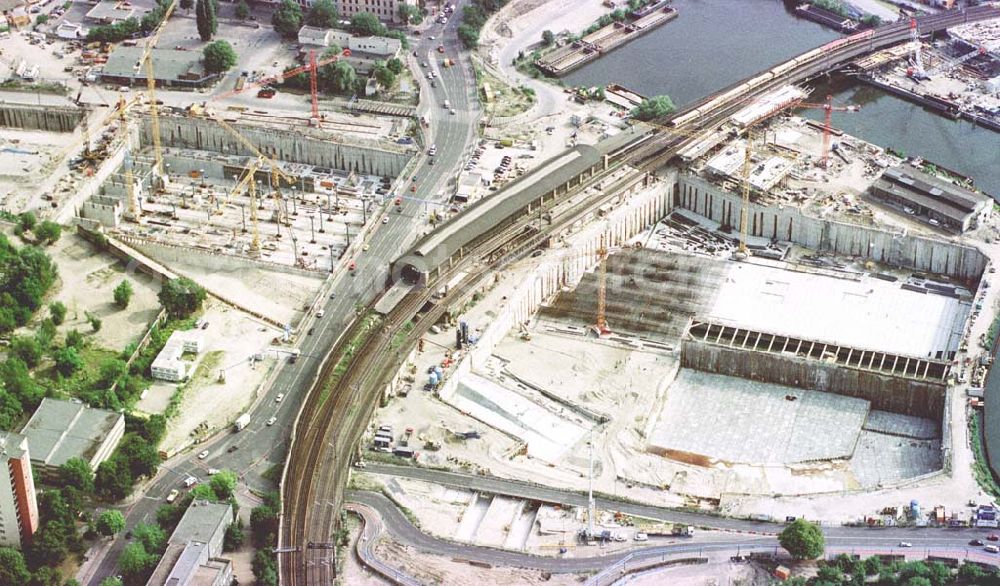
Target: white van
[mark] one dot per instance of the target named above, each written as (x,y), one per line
(447,104)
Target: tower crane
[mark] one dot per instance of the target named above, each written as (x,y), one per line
(917,71)
(146,60)
(249,183)
(828,110)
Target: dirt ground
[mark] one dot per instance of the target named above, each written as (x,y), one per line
(712,574)
(87,279)
(231,338)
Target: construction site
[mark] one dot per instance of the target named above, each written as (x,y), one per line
(819,344)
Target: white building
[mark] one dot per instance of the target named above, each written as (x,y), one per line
(18,507)
(169,365)
(382,48)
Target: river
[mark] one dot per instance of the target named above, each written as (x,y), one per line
(714,43)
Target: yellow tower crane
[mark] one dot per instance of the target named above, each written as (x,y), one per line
(249,183)
(154,117)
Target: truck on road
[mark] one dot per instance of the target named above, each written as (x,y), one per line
(241,422)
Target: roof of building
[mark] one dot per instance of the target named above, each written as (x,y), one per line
(169,64)
(8,5)
(951,194)
(207,573)
(165,567)
(187,563)
(311,35)
(110,12)
(200,522)
(12,445)
(60,430)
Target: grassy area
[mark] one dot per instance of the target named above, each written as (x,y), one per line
(362,481)
(401,335)
(370,322)
(507,100)
(14,85)
(402,509)
(984,476)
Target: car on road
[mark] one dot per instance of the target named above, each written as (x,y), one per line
(321,313)
(641,537)
(992,549)
(976,542)
(310,332)
(271,421)
(232,449)
(905,544)
(432,37)
(213,471)
(452,110)
(993,537)
(279,398)
(366,247)
(385,219)
(172,496)
(190,481)
(203,455)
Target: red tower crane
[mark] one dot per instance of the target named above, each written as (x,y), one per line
(601,327)
(828,110)
(312,85)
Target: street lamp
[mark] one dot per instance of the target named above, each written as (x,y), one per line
(312,229)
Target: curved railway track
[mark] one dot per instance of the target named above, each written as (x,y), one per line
(337,409)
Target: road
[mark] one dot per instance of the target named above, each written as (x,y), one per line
(945,543)
(260,446)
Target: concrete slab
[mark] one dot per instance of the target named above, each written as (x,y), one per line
(708,418)
(543,425)
(867,313)
(884,459)
(902,425)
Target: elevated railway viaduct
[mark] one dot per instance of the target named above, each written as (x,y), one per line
(500,228)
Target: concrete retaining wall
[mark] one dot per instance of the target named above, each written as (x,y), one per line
(292,145)
(205,259)
(47,118)
(887,393)
(791,224)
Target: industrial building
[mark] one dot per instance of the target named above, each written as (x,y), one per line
(932,199)
(172,67)
(113,12)
(169,364)
(60,430)
(18,506)
(385,10)
(192,555)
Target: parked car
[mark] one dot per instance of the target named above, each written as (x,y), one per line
(641,537)
(279,398)
(172,496)
(203,455)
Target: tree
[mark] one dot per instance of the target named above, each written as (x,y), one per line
(13,569)
(111,370)
(182,296)
(265,569)
(46,576)
(10,410)
(234,537)
(970,572)
(74,339)
(95,322)
(410,14)
(152,537)
(384,75)
(143,458)
(242,10)
(113,580)
(469,36)
(323,14)
(224,484)
(345,78)
(654,107)
(67,360)
(186,4)
(123,292)
(18,381)
(58,312)
(27,349)
(134,560)
(113,479)
(26,221)
(802,539)
(110,523)
(204,492)
(394,65)
(47,232)
(918,581)
(204,13)
(219,56)
(287,19)
(48,546)
(77,472)
(548,37)
(264,521)
(366,24)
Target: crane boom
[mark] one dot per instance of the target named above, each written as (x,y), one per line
(147,61)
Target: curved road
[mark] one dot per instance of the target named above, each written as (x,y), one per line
(944,543)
